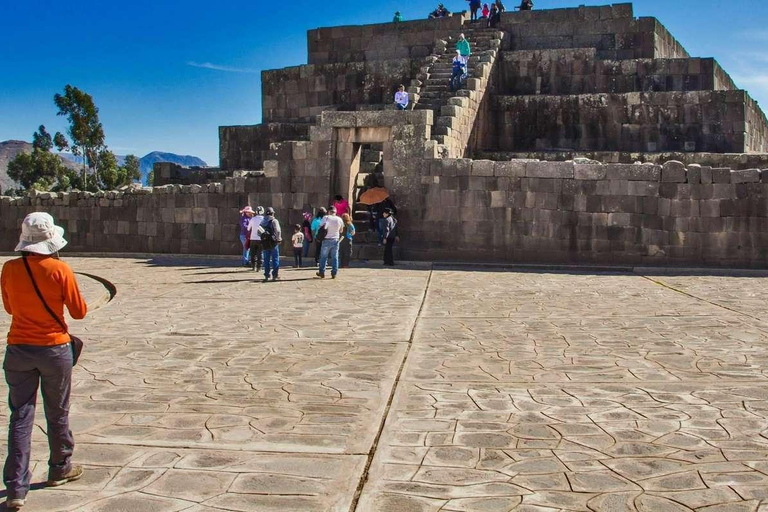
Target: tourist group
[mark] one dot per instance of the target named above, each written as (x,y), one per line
(330,230)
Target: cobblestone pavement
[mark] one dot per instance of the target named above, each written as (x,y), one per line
(203,389)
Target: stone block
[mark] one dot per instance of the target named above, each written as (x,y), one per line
(673,171)
(590,171)
(721,175)
(549,170)
(320,133)
(764,176)
(182,215)
(338,119)
(745,176)
(510,169)
(694,174)
(633,172)
(483,168)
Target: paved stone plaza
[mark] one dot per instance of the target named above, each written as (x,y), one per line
(203,389)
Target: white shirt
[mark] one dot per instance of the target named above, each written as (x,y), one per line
(401,98)
(253,226)
(333,226)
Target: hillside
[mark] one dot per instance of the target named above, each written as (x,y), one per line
(8,151)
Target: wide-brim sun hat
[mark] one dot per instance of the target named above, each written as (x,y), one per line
(40,235)
(247,209)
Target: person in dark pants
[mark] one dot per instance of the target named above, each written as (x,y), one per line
(390,237)
(315,227)
(271,238)
(35,290)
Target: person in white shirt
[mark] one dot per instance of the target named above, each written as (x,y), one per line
(333,226)
(255,238)
(401,98)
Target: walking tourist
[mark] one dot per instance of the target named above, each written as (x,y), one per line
(255,242)
(398,17)
(390,237)
(341,205)
(35,290)
(486,11)
(462,45)
(245,217)
(474,6)
(317,234)
(333,226)
(271,237)
(345,246)
(306,228)
(459,71)
(401,98)
(298,245)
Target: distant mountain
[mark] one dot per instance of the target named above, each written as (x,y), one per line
(8,151)
(10,148)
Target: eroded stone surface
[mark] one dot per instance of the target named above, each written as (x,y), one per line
(522,391)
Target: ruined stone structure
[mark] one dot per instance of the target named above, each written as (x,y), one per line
(583,135)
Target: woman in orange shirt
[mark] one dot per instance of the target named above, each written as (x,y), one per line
(39,351)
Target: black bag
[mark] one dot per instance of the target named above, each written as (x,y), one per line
(321,234)
(268,241)
(75,343)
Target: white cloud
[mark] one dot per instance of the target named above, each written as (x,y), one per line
(217,67)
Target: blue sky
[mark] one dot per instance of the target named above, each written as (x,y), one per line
(165,74)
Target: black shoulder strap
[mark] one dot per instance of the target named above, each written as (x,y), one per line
(40,296)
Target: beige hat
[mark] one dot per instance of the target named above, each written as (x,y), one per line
(40,235)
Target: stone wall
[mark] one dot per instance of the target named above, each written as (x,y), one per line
(191,219)
(578,71)
(383,41)
(246,147)
(297,94)
(756,127)
(611,30)
(735,161)
(530,211)
(166,173)
(712,121)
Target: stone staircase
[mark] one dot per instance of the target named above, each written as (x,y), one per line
(455,112)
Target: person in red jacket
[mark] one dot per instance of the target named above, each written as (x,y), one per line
(39,353)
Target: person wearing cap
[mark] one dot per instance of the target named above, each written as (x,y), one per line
(245,217)
(39,353)
(255,242)
(398,17)
(271,237)
(333,226)
(390,236)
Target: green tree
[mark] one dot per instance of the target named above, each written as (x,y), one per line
(41,169)
(113,175)
(132,166)
(85,130)
(41,139)
(151,178)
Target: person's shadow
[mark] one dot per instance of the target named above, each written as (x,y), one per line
(4,494)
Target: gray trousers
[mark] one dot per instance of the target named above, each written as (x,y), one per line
(26,367)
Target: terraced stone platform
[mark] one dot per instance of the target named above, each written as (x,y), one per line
(416,389)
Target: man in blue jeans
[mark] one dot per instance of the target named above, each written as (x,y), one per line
(333,226)
(271,236)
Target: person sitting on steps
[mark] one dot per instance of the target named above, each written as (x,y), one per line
(401,98)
